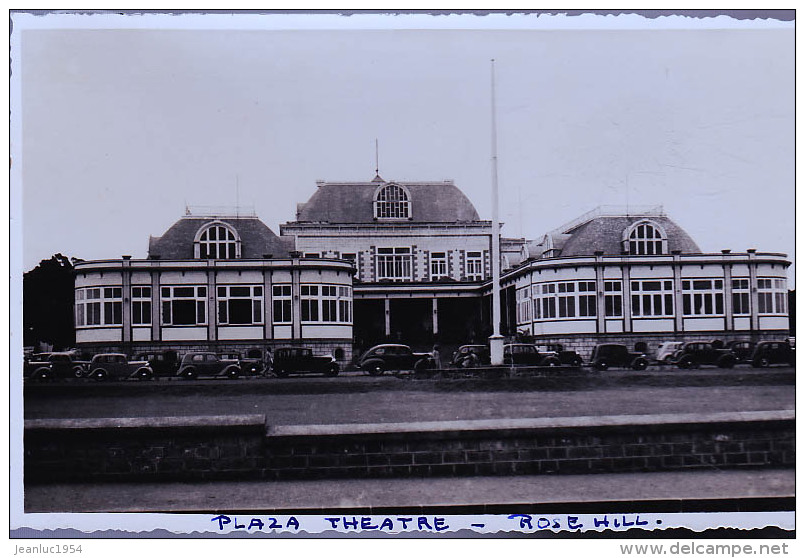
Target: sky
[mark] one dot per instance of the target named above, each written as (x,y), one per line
(119,122)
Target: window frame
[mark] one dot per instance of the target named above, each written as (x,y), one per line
(392,202)
(224,303)
(200,307)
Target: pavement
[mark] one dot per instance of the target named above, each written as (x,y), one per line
(705,490)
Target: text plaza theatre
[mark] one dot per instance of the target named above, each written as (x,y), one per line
(410,262)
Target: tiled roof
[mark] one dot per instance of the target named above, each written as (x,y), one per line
(352,202)
(256,239)
(606,233)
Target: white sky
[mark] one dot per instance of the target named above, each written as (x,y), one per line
(120,128)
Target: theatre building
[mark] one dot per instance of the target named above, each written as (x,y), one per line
(637,277)
(421,256)
(410,262)
(215,282)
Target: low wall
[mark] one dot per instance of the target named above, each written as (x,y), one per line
(242,447)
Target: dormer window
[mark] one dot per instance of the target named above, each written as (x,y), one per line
(217,241)
(645,239)
(392,202)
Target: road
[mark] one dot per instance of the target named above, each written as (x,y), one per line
(360,399)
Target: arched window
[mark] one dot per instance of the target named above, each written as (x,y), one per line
(217,242)
(392,202)
(645,239)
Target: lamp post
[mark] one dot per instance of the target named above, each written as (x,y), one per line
(496,340)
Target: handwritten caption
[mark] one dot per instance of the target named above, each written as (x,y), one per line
(518,522)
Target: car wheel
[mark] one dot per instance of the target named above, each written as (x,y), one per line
(685,363)
(332,371)
(640,364)
(375,369)
(763,362)
(189,374)
(78,372)
(551,362)
(601,365)
(726,362)
(42,375)
(233,373)
(144,374)
(99,375)
(577,362)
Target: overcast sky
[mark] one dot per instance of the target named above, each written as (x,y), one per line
(121,128)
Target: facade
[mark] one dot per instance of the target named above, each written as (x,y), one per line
(370,262)
(421,254)
(639,278)
(215,283)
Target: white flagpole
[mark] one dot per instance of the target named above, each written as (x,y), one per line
(496,340)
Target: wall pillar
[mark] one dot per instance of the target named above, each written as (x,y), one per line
(729,321)
(600,294)
(387,315)
(156,306)
(125,273)
(212,313)
(268,306)
(627,299)
(676,268)
(754,319)
(435,306)
(296,311)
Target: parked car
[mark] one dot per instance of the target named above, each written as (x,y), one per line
(200,364)
(524,353)
(299,360)
(693,355)
(380,358)
(666,350)
(255,362)
(613,355)
(469,356)
(53,366)
(566,357)
(116,366)
(163,363)
(773,352)
(743,350)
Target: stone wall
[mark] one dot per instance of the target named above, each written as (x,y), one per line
(242,447)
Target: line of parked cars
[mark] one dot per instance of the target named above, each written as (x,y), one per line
(698,353)
(196,364)
(395,357)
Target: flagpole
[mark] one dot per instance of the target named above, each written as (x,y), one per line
(496,340)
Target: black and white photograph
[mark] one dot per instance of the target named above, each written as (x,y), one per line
(403,274)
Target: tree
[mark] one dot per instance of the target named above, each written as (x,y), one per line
(47,303)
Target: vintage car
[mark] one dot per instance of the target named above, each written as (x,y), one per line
(53,366)
(163,363)
(202,364)
(255,362)
(773,352)
(527,354)
(743,350)
(469,356)
(116,366)
(693,355)
(300,360)
(666,350)
(614,355)
(566,357)
(380,358)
